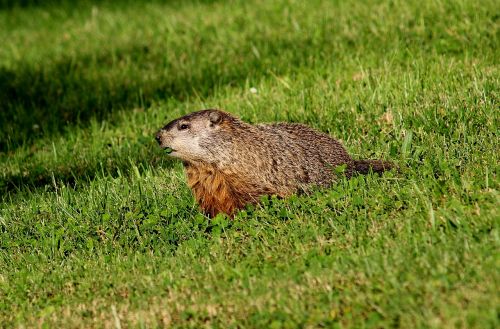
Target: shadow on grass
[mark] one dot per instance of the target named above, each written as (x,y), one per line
(75,174)
(38,101)
(44,102)
(47,100)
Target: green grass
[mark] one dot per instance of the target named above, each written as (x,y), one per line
(98,227)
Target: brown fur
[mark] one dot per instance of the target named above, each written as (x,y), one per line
(217,192)
(230,163)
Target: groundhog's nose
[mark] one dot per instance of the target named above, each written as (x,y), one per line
(158,137)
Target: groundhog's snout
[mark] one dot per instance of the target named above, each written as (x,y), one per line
(158,137)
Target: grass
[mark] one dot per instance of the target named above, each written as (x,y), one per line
(98,227)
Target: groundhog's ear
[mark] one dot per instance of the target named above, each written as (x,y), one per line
(215,117)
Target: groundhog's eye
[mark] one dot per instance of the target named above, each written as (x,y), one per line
(183,126)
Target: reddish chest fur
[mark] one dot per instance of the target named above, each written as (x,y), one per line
(215,191)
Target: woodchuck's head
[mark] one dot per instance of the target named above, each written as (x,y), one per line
(197,136)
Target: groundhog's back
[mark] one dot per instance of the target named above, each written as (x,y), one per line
(287,157)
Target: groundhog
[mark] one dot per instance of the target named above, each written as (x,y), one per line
(230,163)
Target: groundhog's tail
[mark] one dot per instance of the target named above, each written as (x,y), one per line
(376,166)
